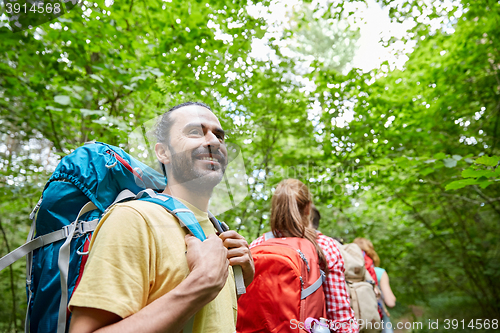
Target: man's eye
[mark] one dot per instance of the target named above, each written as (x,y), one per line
(195,131)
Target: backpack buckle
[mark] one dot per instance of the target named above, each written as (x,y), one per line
(82,227)
(78,229)
(66,229)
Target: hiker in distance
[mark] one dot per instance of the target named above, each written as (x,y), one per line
(144,273)
(337,297)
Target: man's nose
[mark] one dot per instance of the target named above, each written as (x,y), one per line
(212,139)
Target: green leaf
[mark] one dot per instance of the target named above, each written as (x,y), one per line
(439,156)
(460,184)
(485,184)
(402,162)
(487,160)
(139,77)
(384,161)
(156,72)
(53,108)
(87,112)
(62,99)
(426,171)
(77,96)
(96,77)
(469,173)
(450,162)
(457,157)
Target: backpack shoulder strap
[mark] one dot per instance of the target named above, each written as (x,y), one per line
(218,225)
(313,287)
(268,235)
(183,214)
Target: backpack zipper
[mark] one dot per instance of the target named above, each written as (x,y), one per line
(303,257)
(123,162)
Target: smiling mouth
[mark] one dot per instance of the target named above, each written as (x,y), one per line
(209,159)
(212,162)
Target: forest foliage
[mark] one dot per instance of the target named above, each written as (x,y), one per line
(405,157)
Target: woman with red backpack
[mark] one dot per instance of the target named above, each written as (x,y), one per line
(268,305)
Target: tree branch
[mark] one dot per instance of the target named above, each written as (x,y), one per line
(486,198)
(57,143)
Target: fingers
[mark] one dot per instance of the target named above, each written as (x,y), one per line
(238,261)
(231,243)
(229,248)
(197,251)
(193,241)
(207,262)
(190,240)
(230,234)
(237,246)
(231,239)
(239,254)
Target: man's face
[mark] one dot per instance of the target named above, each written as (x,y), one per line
(198,155)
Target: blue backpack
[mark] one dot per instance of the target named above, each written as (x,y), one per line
(85,184)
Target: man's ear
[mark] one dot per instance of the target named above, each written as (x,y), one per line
(162,153)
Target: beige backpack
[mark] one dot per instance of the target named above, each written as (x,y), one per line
(361,288)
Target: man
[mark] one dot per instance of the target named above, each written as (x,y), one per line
(338,303)
(144,273)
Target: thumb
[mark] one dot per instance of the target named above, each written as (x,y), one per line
(189,239)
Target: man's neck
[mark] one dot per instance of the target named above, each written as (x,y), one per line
(197,199)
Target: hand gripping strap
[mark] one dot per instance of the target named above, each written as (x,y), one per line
(187,219)
(238,273)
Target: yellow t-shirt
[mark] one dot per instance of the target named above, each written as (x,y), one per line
(137,254)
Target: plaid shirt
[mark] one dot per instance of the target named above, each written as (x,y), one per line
(338,305)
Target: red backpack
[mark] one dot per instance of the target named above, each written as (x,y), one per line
(286,290)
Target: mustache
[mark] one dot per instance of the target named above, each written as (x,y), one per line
(212,151)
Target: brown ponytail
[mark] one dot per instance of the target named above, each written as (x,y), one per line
(367,246)
(290,201)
